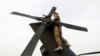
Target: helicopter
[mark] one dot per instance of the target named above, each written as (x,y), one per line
(44,31)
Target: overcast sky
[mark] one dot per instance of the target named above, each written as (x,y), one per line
(15,31)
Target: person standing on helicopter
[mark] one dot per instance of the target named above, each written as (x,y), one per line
(58,33)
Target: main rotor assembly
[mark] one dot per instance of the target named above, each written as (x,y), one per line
(45,21)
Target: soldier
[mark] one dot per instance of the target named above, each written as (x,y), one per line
(58,33)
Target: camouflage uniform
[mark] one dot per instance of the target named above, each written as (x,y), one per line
(57,36)
(57,31)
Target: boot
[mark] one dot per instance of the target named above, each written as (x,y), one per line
(65,42)
(59,48)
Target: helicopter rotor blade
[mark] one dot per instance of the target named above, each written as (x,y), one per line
(74,27)
(52,11)
(29,16)
(89,53)
(33,42)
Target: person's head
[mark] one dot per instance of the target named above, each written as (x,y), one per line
(56,15)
